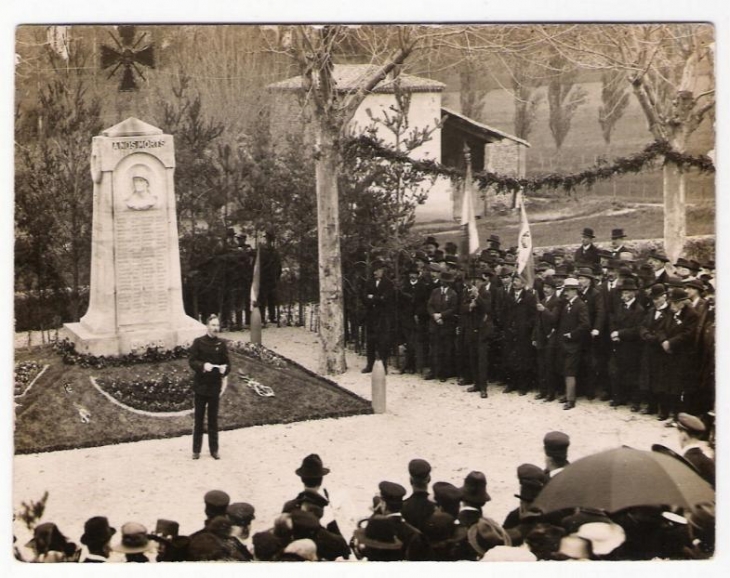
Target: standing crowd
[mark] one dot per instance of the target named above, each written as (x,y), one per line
(630,329)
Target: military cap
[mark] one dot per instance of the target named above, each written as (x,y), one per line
(690,423)
(431,241)
(217,499)
(530,474)
(391,492)
(678,294)
(627,284)
(617,234)
(571,283)
(312,467)
(556,443)
(657,290)
(695,284)
(241,513)
(446,494)
(587,232)
(419,469)
(658,255)
(474,489)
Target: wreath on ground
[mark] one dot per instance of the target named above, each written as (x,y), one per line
(159,390)
(25,373)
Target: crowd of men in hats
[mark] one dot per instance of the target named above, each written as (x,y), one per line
(438,521)
(632,330)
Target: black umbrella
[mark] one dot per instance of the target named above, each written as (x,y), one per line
(621,478)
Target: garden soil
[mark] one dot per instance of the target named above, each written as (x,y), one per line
(456,431)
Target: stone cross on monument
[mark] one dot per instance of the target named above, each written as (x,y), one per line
(135,298)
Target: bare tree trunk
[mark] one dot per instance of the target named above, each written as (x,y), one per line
(675,216)
(331,303)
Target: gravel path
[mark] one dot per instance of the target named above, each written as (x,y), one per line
(454,430)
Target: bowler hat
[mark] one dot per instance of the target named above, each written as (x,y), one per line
(241,513)
(494,240)
(446,494)
(97,531)
(474,489)
(657,290)
(312,467)
(556,443)
(585,272)
(217,499)
(690,423)
(682,262)
(133,540)
(695,284)
(678,294)
(486,534)
(379,534)
(391,492)
(431,241)
(627,284)
(419,469)
(658,255)
(587,232)
(447,277)
(617,234)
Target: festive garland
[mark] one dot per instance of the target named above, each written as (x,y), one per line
(601,171)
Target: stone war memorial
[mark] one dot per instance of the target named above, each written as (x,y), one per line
(135,298)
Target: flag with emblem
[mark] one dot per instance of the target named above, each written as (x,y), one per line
(525,261)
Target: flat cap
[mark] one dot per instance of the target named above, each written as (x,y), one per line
(530,474)
(391,492)
(690,423)
(241,513)
(445,493)
(217,499)
(419,469)
(556,441)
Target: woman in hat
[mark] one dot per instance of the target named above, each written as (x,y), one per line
(49,545)
(134,543)
(209,360)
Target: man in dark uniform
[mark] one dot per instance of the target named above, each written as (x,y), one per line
(573,328)
(587,254)
(216,504)
(417,508)
(545,341)
(209,360)
(378,299)
(521,311)
(588,372)
(390,506)
(475,323)
(625,364)
(696,451)
(442,308)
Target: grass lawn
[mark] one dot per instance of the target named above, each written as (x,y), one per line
(64,410)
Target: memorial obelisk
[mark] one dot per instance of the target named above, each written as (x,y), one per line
(135,298)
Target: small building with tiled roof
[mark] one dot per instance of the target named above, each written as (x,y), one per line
(489,148)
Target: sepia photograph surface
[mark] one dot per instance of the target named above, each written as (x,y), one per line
(424,292)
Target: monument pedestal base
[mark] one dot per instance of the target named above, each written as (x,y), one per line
(135,340)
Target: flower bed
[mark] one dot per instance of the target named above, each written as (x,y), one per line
(25,373)
(152,391)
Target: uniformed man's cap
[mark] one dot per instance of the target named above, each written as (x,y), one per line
(241,513)
(391,492)
(217,499)
(556,443)
(419,469)
(446,494)
(532,479)
(690,423)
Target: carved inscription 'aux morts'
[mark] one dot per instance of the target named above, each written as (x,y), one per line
(142,267)
(134,145)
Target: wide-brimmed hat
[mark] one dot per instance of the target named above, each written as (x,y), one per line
(47,538)
(587,232)
(487,534)
(474,489)
(678,294)
(691,423)
(312,467)
(379,533)
(571,283)
(133,539)
(682,262)
(617,234)
(585,272)
(695,284)
(604,537)
(97,531)
(658,255)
